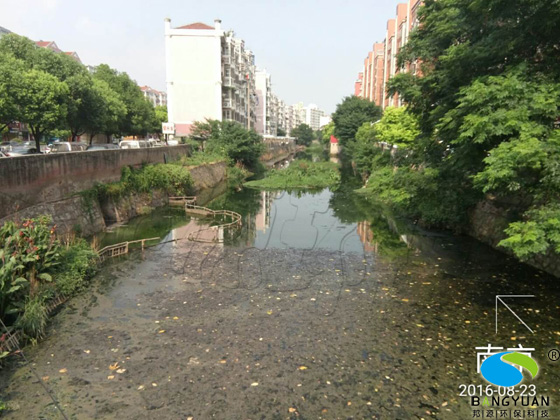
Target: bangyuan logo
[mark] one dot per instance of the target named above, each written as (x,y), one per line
(505,368)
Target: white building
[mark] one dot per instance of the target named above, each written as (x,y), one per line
(263,87)
(156,97)
(313,116)
(209,75)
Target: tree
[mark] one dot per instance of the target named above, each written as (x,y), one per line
(140,115)
(160,113)
(42,104)
(303,133)
(10,75)
(203,131)
(112,110)
(486,101)
(349,116)
(231,139)
(280,132)
(328,131)
(396,127)
(85,105)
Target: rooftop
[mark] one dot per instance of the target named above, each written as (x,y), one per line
(197,25)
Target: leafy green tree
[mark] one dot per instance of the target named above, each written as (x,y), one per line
(396,127)
(85,105)
(239,144)
(203,131)
(280,132)
(111,112)
(18,47)
(140,113)
(327,132)
(231,139)
(303,133)
(160,113)
(486,99)
(349,116)
(10,75)
(42,104)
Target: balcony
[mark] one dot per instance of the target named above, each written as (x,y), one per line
(227,82)
(227,103)
(226,59)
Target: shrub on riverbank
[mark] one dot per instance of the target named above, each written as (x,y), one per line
(300,174)
(172,179)
(36,267)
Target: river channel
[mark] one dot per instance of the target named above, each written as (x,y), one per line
(322,306)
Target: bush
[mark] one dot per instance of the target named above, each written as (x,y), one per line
(29,251)
(33,320)
(78,266)
(35,268)
(172,179)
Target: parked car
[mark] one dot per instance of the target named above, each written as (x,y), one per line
(154,143)
(3,155)
(66,146)
(102,146)
(133,144)
(5,146)
(22,151)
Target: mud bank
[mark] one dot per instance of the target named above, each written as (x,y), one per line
(88,216)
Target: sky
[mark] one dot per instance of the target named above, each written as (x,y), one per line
(313,49)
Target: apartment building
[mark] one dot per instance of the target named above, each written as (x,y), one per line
(156,97)
(313,116)
(263,89)
(381,63)
(209,74)
(358,84)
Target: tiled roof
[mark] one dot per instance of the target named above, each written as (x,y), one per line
(43,43)
(197,25)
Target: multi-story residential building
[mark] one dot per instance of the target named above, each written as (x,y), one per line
(381,63)
(156,97)
(358,84)
(313,116)
(210,75)
(373,74)
(263,88)
(51,45)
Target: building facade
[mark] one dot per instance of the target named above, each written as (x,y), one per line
(381,63)
(209,75)
(156,97)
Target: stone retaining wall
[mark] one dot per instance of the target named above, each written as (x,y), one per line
(487,223)
(28,181)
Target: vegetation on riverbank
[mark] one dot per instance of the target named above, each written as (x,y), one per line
(300,174)
(37,267)
(170,178)
(484,131)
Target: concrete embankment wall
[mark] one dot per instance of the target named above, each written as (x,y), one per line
(487,223)
(51,185)
(28,181)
